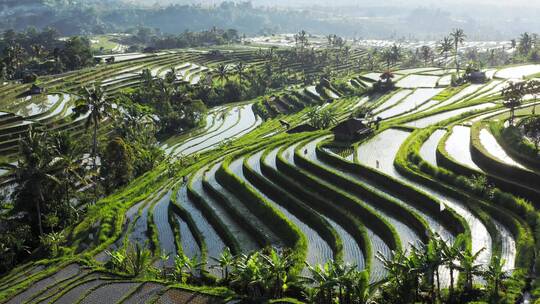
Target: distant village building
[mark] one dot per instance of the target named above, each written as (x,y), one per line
(477,77)
(35,90)
(352,129)
(302,128)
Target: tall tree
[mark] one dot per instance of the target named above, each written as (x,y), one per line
(525,43)
(34,175)
(513,97)
(427,54)
(458,37)
(445,47)
(96,106)
(222,72)
(240,70)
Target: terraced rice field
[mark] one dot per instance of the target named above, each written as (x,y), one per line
(410,103)
(254,185)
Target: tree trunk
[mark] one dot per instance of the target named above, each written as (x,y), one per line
(438,283)
(94,160)
(512,116)
(457,61)
(451,289)
(38,210)
(432,283)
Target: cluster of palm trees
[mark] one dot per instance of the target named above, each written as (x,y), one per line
(514,92)
(416,275)
(46,176)
(301,39)
(322,118)
(526,43)
(391,55)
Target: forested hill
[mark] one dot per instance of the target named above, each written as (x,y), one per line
(378,20)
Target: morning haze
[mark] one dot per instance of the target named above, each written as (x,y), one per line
(272,151)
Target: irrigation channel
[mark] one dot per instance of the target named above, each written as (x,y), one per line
(350,202)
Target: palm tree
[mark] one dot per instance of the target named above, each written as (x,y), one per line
(96,106)
(301,39)
(513,97)
(387,57)
(240,70)
(458,37)
(492,57)
(34,174)
(170,76)
(327,118)
(147,78)
(525,43)
(427,54)
(444,47)
(70,166)
(395,51)
(330,38)
(222,72)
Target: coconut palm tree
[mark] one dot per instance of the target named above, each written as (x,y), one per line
(34,175)
(525,43)
(170,76)
(147,78)
(513,97)
(96,106)
(222,72)
(426,53)
(458,37)
(445,47)
(396,53)
(301,39)
(387,57)
(240,70)
(70,166)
